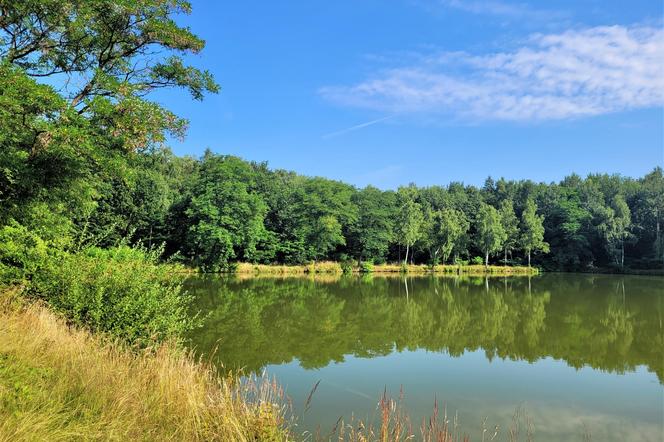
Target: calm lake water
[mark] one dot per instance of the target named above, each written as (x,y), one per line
(573,351)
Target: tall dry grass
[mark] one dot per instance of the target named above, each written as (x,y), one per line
(60,383)
(323,267)
(334,268)
(393,424)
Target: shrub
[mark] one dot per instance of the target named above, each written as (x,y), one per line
(366,267)
(22,253)
(477,260)
(121,291)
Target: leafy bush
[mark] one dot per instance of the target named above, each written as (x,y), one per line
(366,267)
(121,291)
(477,260)
(346,266)
(22,253)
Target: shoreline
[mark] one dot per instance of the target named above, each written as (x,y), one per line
(330,267)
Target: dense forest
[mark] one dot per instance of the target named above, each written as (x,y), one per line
(218,209)
(213,211)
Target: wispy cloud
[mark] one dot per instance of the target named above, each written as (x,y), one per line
(357,127)
(576,73)
(501,9)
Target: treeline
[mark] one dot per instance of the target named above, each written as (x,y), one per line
(213,211)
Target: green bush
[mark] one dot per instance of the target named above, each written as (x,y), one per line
(477,260)
(122,291)
(22,253)
(366,267)
(346,267)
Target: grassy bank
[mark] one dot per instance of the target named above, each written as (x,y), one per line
(61,383)
(329,267)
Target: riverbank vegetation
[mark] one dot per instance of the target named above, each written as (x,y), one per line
(61,383)
(335,268)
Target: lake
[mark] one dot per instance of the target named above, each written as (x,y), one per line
(575,353)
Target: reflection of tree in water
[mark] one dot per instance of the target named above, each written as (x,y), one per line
(610,323)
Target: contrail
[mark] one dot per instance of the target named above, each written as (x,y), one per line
(359,126)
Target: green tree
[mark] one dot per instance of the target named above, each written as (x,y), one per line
(490,232)
(616,229)
(510,225)
(653,188)
(444,230)
(224,215)
(327,236)
(371,234)
(409,222)
(532,230)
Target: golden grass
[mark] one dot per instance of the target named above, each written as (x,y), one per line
(334,268)
(328,267)
(59,383)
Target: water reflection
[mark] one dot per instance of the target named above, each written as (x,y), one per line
(605,322)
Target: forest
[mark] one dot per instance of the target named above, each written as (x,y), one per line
(212,211)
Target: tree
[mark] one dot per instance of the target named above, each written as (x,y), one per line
(653,188)
(65,143)
(444,229)
(616,229)
(114,49)
(224,215)
(370,235)
(568,230)
(510,225)
(490,232)
(532,230)
(409,223)
(327,236)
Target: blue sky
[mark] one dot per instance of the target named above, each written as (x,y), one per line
(388,92)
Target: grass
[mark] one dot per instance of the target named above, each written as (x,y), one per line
(323,267)
(393,424)
(329,267)
(61,383)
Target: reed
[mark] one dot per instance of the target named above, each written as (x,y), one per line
(335,268)
(323,267)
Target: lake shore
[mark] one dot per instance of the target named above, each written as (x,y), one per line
(331,267)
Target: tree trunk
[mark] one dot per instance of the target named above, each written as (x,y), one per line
(486,259)
(405,261)
(528,258)
(622,254)
(505,263)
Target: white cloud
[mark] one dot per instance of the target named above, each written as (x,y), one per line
(554,76)
(499,8)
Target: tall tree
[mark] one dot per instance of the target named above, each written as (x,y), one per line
(444,229)
(532,230)
(653,187)
(327,236)
(616,229)
(370,235)
(225,216)
(490,232)
(510,225)
(409,220)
